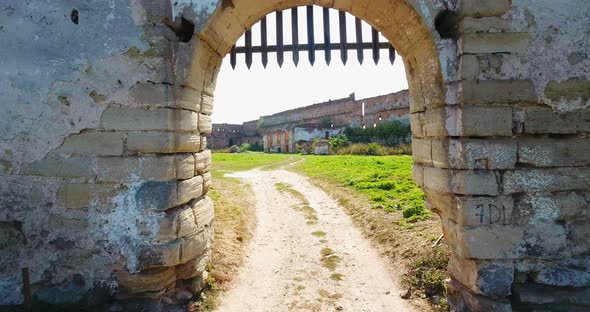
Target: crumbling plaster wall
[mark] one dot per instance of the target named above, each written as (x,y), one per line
(103,170)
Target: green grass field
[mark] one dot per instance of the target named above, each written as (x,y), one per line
(386,180)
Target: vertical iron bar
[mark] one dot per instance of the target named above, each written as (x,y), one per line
(280,47)
(327,50)
(310,35)
(295,35)
(263,41)
(232,57)
(391,54)
(26,290)
(375,45)
(343,39)
(359,40)
(248,48)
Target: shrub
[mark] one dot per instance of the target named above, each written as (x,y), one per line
(373,149)
(338,141)
(244,147)
(391,133)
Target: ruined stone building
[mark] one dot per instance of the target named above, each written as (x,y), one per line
(281,132)
(104,166)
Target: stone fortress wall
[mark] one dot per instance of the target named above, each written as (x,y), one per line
(341,113)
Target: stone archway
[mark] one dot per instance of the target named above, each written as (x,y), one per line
(104,170)
(425,55)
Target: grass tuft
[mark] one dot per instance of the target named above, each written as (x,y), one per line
(319,233)
(336,276)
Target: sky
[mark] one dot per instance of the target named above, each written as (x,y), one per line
(242,95)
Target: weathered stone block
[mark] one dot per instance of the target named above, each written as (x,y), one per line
(546,180)
(422,151)
(163,142)
(531,293)
(116,169)
(188,270)
(193,246)
(74,195)
(556,275)
(487,154)
(150,281)
(164,95)
(207,104)
(547,152)
(440,153)
(167,227)
(417,125)
(497,91)
(186,222)
(505,42)
(462,299)
(435,122)
(202,162)
(93,143)
(545,120)
(480,182)
(479,121)
(469,67)
(205,124)
(572,205)
(158,196)
(184,166)
(438,180)
(72,167)
(203,211)
(488,278)
(573,89)
(479,8)
(203,144)
(578,233)
(206,182)
(190,189)
(144,119)
(489,242)
(483,25)
(483,211)
(418,174)
(163,255)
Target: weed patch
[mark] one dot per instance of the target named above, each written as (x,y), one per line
(336,276)
(319,233)
(329,259)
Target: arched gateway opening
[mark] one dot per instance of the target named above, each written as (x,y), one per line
(423,51)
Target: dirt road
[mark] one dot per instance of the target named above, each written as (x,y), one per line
(306,254)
